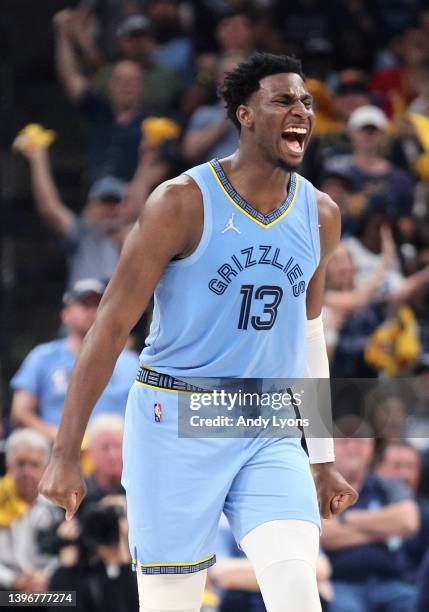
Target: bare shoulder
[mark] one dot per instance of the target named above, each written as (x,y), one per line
(329,223)
(175,211)
(179,196)
(328,210)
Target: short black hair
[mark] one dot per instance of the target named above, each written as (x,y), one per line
(243,81)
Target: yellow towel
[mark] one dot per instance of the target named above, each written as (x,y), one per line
(421,125)
(12,507)
(33,135)
(159,129)
(395,345)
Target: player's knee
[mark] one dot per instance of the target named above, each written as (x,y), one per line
(281,540)
(171,593)
(290,586)
(283,554)
(296,575)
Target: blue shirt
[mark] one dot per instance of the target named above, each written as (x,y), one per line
(90,253)
(378,559)
(46,371)
(176,53)
(113,146)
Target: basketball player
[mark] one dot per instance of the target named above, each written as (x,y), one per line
(236,253)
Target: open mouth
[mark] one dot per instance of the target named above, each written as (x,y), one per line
(294,138)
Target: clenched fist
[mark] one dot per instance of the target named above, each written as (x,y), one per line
(333,492)
(63,484)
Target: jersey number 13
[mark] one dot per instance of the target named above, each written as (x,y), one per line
(274,296)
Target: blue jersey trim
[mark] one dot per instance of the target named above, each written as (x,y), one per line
(174,568)
(247,208)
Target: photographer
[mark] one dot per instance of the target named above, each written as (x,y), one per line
(95,560)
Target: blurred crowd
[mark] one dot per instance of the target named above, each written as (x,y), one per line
(143,76)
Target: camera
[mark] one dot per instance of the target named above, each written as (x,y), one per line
(99,525)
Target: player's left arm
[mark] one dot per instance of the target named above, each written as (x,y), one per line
(334,493)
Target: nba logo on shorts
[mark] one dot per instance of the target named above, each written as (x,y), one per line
(157,410)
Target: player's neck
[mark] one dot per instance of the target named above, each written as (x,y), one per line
(257,180)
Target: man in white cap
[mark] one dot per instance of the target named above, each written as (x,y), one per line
(370,169)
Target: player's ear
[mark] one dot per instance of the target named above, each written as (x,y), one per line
(245,115)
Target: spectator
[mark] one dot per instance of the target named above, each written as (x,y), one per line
(105,436)
(210,133)
(371,170)
(41,382)
(265,33)
(313,17)
(234,35)
(389,418)
(351,92)
(162,87)
(23,513)
(364,544)
(95,24)
(365,249)
(420,104)
(114,122)
(394,83)
(101,571)
(351,311)
(402,461)
(92,241)
(234,32)
(173,47)
(342,187)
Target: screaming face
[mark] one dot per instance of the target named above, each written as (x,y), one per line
(280,119)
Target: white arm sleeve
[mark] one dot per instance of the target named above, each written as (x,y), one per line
(318,408)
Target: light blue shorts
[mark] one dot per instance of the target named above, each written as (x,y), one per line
(177,487)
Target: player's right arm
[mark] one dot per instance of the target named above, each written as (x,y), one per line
(170,226)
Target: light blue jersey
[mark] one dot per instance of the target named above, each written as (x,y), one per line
(236,307)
